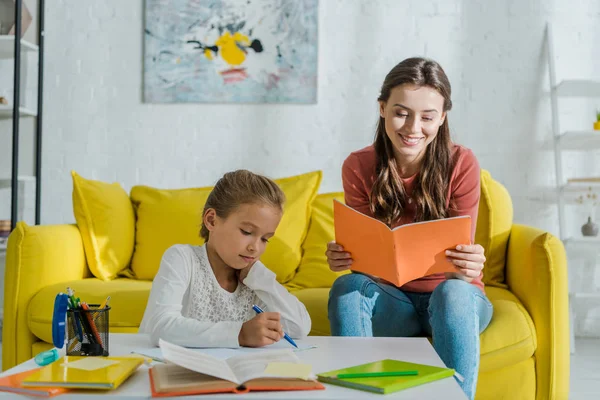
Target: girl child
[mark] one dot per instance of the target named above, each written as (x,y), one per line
(413,172)
(202,296)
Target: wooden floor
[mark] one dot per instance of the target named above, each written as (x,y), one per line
(585,370)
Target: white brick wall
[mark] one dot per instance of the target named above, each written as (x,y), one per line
(493,52)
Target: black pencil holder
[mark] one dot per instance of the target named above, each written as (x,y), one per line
(87,331)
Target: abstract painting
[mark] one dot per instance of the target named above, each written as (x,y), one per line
(230,51)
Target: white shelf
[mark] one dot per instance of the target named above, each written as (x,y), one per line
(6,112)
(578,187)
(584,295)
(5,182)
(7,46)
(578,88)
(569,192)
(581,241)
(579,140)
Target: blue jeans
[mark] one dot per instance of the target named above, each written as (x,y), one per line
(454,315)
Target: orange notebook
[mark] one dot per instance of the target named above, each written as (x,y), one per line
(12,383)
(190,372)
(402,254)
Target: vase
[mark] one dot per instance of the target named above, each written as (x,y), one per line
(597,125)
(589,228)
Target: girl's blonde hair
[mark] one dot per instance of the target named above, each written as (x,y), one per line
(241,187)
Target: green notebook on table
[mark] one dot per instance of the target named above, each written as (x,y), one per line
(386,384)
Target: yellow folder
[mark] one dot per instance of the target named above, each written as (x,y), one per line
(85,372)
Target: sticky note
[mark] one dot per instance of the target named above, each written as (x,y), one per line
(90,363)
(288,370)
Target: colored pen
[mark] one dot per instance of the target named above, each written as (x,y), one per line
(376,374)
(285,335)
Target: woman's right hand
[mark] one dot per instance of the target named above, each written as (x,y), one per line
(337,258)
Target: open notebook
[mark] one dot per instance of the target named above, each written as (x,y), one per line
(402,254)
(191,372)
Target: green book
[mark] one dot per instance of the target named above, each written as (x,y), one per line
(386,384)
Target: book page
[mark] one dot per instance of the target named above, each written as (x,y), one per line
(369,241)
(196,361)
(253,365)
(421,247)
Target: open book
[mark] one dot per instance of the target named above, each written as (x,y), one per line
(402,254)
(191,372)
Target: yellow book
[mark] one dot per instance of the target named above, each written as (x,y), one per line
(85,372)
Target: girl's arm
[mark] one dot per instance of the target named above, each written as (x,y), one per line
(163,319)
(274,297)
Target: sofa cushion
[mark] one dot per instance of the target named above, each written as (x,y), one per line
(494,222)
(313,271)
(509,339)
(105,218)
(128,298)
(315,301)
(168,217)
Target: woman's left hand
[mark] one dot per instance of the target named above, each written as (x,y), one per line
(468,259)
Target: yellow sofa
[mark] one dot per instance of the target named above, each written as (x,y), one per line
(524,351)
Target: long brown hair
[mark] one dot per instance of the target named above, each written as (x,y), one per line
(388,196)
(241,187)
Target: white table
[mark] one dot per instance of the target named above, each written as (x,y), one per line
(331,353)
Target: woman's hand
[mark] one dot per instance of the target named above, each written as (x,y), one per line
(337,258)
(468,260)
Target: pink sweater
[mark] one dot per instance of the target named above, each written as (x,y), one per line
(358,175)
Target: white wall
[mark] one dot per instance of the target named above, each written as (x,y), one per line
(493,52)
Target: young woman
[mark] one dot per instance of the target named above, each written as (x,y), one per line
(413,172)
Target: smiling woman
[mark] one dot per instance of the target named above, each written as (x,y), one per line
(413,172)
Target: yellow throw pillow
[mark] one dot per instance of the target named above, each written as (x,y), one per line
(105,218)
(164,218)
(494,223)
(168,217)
(314,271)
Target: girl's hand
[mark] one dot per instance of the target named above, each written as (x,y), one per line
(337,258)
(262,330)
(468,260)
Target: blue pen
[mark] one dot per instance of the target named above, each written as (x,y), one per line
(285,335)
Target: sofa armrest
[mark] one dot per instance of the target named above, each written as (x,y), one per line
(37,256)
(536,272)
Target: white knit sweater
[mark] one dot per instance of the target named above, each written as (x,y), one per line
(187,306)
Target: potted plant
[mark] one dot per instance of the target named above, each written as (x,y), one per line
(597,123)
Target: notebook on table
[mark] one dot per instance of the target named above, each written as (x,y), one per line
(190,372)
(13,383)
(85,372)
(387,384)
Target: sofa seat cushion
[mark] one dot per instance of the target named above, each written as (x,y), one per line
(128,298)
(509,339)
(315,301)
